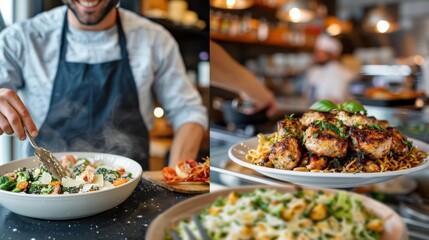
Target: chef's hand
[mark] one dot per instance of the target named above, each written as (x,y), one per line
(263,100)
(14,116)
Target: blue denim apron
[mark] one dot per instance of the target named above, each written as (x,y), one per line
(95,107)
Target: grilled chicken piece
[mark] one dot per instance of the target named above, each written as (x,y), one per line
(289,126)
(351,120)
(323,139)
(373,142)
(370,166)
(285,153)
(316,162)
(399,142)
(312,116)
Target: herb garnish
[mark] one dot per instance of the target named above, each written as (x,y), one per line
(376,127)
(301,138)
(290,135)
(352,107)
(328,106)
(409,144)
(329,126)
(290,117)
(299,193)
(323,106)
(335,163)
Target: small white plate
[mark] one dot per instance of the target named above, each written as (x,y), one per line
(394,227)
(70,206)
(238,153)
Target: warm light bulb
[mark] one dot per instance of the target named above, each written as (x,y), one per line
(295,15)
(230,3)
(383,26)
(158,112)
(333,29)
(420,103)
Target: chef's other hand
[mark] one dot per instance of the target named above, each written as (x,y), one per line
(264,100)
(14,116)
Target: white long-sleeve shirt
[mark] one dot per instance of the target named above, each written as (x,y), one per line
(330,81)
(29,54)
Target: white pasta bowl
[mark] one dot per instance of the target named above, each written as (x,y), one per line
(394,227)
(71,206)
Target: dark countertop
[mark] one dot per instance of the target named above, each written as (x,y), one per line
(129,220)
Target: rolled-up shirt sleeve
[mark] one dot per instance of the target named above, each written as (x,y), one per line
(11,51)
(180,100)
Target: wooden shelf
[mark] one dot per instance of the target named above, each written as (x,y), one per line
(265,7)
(272,40)
(179,28)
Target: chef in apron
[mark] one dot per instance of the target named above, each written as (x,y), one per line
(328,78)
(93,106)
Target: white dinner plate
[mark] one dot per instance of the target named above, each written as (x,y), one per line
(238,152)
(394,227)
(71,206)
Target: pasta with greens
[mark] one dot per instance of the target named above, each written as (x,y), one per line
(335,139)
(269,214)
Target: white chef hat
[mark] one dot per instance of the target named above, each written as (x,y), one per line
(329,44)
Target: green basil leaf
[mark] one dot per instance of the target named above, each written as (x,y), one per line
(352,107)
(323,106)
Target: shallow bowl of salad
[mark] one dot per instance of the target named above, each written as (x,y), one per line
(96,183)
(278,212)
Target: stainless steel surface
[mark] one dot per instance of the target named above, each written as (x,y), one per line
(48,160)
(251,178)
(220,141)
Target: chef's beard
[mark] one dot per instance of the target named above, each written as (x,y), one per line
(92,18)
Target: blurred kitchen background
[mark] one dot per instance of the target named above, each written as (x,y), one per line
(186,20)
(385,44)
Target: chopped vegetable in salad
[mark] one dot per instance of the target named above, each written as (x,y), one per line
(268,214)
(84,175)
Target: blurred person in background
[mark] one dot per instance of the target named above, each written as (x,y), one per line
(87,73)
(328,78)
(227,73)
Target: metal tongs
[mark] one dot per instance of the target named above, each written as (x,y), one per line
(47,158)
(203,233)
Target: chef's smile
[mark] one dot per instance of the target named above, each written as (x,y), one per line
(91,12)
(88,5)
